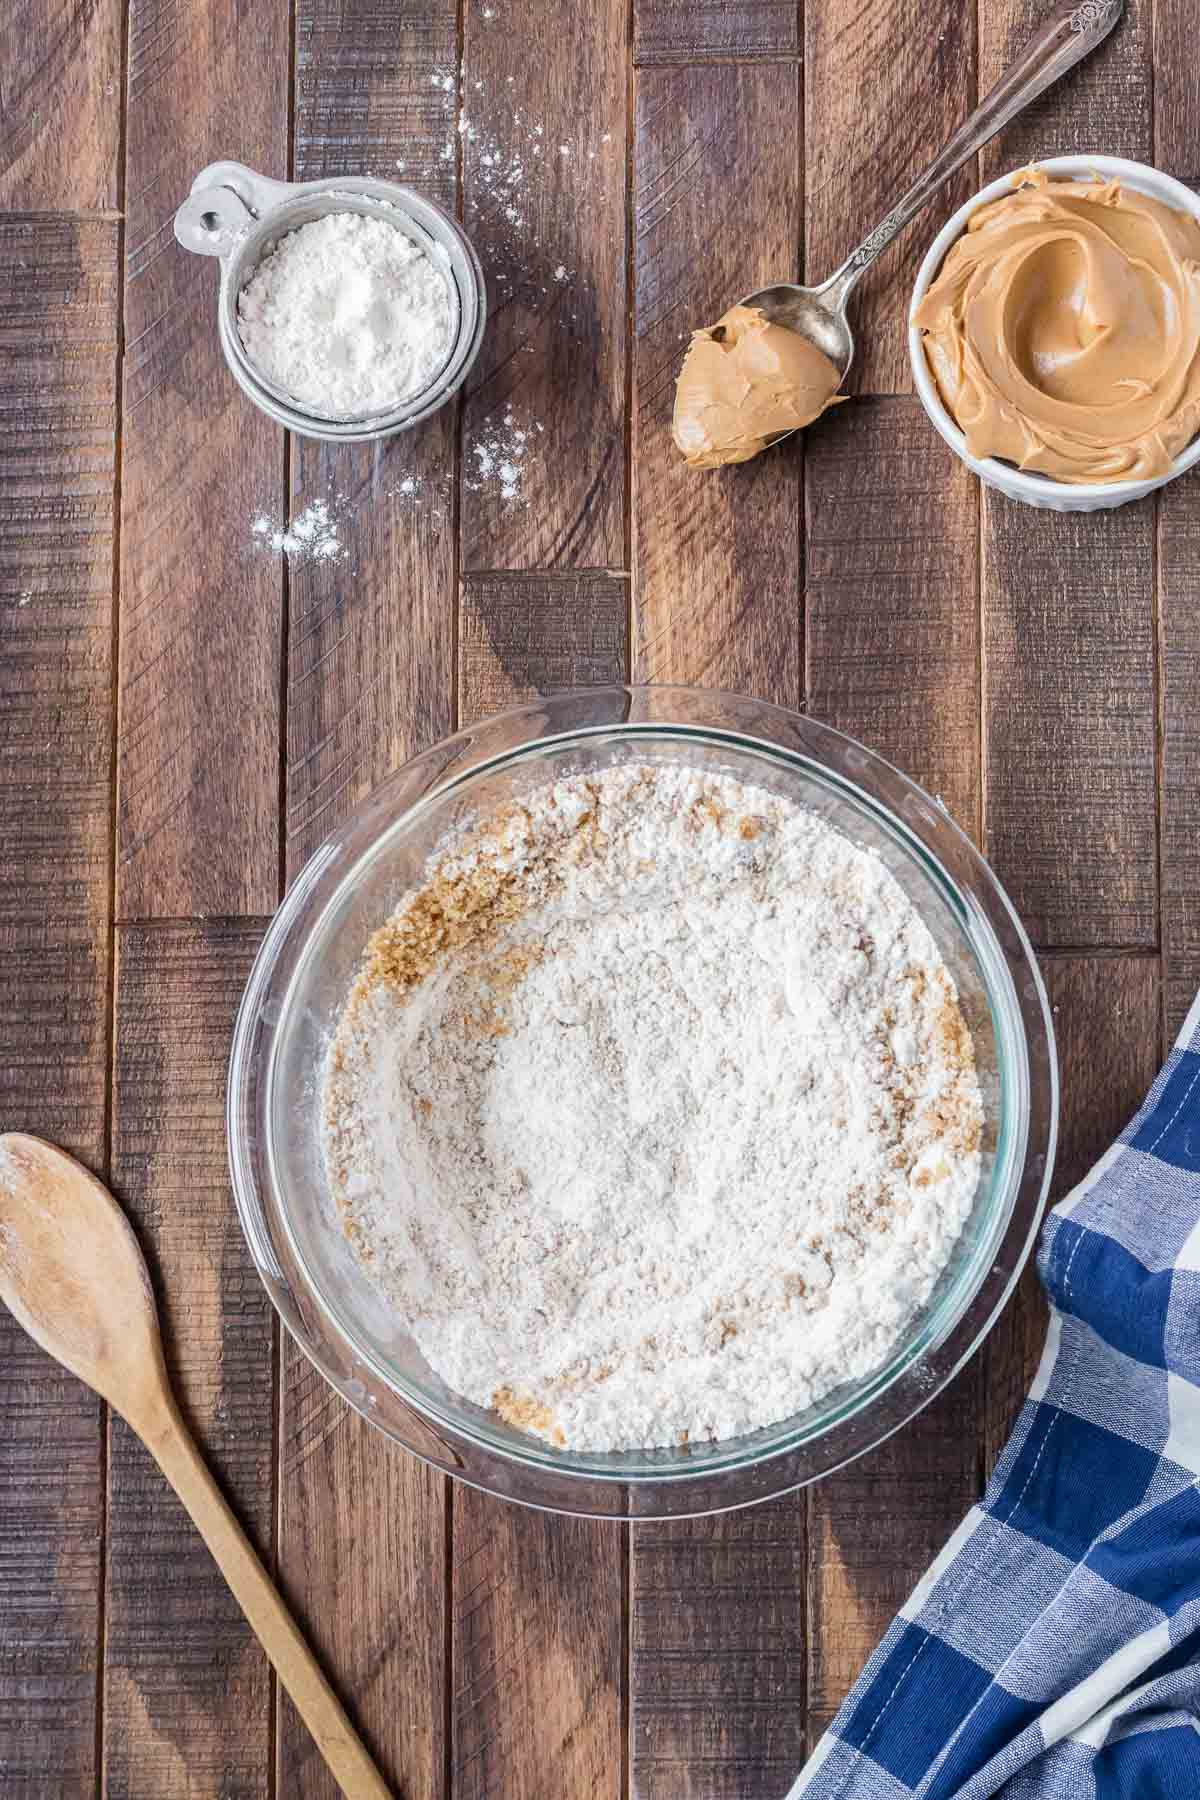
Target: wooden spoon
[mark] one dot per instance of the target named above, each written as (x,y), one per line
(72,1274)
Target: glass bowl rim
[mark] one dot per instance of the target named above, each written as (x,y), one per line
(335,867)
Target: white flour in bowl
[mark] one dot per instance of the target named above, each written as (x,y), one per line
(347,315)
(652,1112)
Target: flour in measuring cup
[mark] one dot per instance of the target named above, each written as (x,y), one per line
(348,315)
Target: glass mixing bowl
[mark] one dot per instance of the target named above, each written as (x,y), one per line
(299,983)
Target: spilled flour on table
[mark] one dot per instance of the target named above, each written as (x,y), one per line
(495,458)
(323,530)
(311,535)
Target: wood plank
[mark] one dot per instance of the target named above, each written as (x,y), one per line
(885,84)
(1179,702)
(544,189)
(1176,89)
(58,369)
(537,1633)
(58,375)
(717,1640)
(1069,712)
(1176,105)
(1106,1013)
(370,633)
(537,1601)
(524,635)
(362,1560)
(891,607)
(370,665)
(717,553)
(687,31)
(1103,105)
(717,1675)
(200,618)
(187,1689)
(366,99)
(875,1528)
(362,1526)
(60,106)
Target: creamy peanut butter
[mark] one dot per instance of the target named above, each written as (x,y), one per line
(744,381)
(1063,330)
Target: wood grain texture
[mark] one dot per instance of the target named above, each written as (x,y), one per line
(370,667)
(537,1635)
(885,84)
(51,1507)
(200,607)
(1177,150)
(1176,89)
(717,1677)
(362,1561)
(60,105)
(187,1689)
(717,1642)
(716,553)
(370,681)
(544,190)
(58,372)
(365,95)
(688,31)
(370,659)
(1179,702)
(1106,1013)
(891,602)
(1103,105)
(58,366)
(1069,712)
(875,1528)
(524,635)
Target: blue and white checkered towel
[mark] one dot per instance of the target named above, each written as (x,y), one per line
(1052,1652)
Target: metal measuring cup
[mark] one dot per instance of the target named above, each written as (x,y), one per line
(238,216)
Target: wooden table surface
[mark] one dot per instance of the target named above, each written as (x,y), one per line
(185,715)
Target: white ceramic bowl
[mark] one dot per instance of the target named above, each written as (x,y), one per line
(1041,490)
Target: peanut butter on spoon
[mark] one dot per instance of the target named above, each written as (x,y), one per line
(743,382)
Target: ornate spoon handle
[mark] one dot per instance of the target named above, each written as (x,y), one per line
(1066,38)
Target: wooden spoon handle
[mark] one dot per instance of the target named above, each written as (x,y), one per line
(172,1447)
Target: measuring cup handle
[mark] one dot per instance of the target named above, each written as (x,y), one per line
(225,198)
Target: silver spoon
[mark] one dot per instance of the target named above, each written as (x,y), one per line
(819,313)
